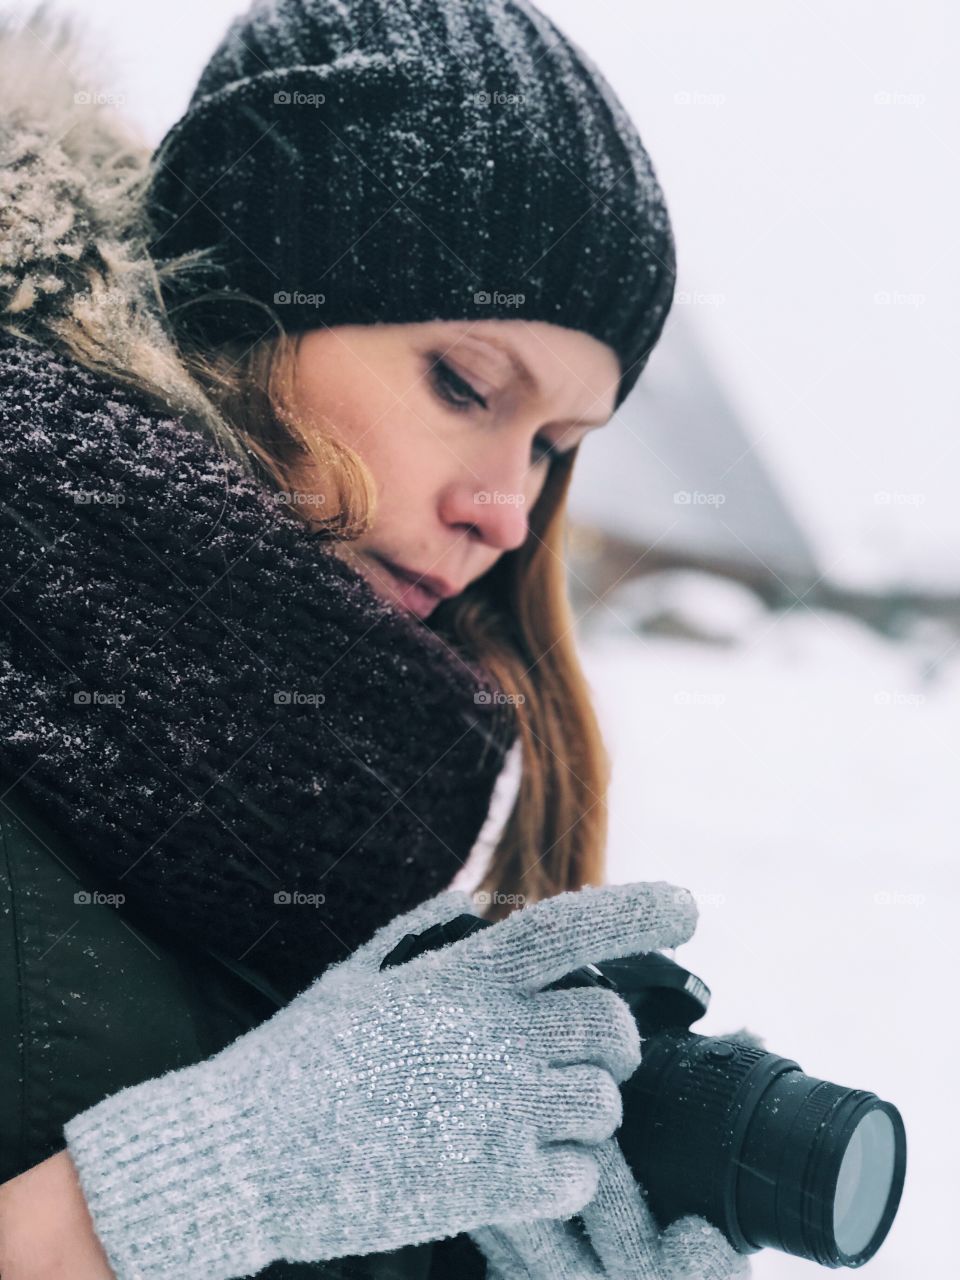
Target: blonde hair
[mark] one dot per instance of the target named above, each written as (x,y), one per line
(103,304)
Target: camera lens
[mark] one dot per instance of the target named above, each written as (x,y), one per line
(773,1157)
(769,1155)
(867,1173)
(837,1157)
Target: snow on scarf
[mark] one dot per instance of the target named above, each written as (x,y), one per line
(224,720)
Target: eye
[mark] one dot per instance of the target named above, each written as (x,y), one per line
(458,393)
(451,387)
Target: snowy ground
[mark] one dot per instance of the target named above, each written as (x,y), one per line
(802,784)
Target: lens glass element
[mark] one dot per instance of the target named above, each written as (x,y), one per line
(864,1181)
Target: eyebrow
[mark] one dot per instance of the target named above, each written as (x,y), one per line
(529,379)
(520,367)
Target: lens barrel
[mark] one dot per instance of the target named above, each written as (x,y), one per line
(771,1156)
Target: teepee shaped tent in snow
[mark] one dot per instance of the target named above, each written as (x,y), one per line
(678,480)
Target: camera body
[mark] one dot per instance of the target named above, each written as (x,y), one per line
(771,1156)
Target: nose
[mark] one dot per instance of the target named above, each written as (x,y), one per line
(495,502)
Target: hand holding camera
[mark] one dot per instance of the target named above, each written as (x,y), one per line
(717,1131)
(385,1107)
(457,1076)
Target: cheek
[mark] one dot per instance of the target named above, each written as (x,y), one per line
(389,442)
(405,458)
(389,419)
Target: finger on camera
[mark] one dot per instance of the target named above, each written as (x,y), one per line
(589,1024)
(542,942)
(694,1249)
(619,1222)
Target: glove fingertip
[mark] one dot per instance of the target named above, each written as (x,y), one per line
(687,913)
(694,1249)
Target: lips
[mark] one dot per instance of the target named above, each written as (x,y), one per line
(412,595)
(428,582)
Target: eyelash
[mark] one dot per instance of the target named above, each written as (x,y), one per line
(447,383)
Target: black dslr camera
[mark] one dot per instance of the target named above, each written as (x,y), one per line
(770,1156)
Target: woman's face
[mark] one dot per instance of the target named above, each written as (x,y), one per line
(456,421)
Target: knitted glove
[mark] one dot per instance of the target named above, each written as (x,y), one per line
(624,1243)
(624,1240)
(380,1109)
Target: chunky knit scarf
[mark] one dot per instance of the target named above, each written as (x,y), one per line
(228,725)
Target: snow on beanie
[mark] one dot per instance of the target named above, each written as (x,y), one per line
(363,161)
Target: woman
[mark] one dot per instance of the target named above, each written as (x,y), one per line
(289,411)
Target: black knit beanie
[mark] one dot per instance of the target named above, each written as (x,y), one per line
(356,161)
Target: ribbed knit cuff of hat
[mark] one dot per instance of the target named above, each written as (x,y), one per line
(413,160)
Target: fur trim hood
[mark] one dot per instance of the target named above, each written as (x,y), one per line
(65,166)
(75,270)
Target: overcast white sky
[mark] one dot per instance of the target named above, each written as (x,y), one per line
(810,151)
